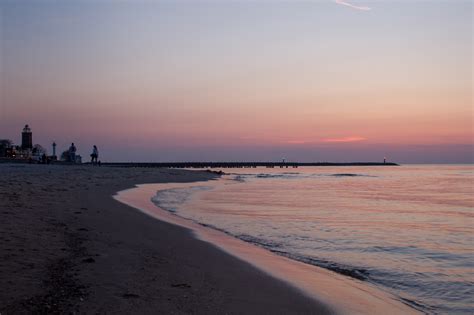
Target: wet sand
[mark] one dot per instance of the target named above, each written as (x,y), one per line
(343,294)
(67,246)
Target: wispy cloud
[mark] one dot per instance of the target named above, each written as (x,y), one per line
(362,8)
(344,139)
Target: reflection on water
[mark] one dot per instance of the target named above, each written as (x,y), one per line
(407,229)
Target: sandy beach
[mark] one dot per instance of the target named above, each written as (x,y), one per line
(68,247)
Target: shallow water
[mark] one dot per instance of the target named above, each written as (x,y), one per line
(407,229)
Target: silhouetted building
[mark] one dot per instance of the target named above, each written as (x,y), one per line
(54,157)
(26,138)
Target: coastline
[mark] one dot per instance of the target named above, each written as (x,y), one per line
(69,247)
(343,294)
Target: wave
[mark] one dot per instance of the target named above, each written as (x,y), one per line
(171,199)
(351,175)
(244,177)
(274,247)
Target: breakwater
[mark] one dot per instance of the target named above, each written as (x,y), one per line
(243,164)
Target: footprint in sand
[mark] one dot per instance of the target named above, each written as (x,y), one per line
(180,285)
(130,296)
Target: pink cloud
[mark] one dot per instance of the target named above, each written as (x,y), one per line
(344,139)
(362,8)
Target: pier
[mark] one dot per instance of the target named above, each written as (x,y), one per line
(243,164)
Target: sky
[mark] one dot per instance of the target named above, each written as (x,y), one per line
(254,80)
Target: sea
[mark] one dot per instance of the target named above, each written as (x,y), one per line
(405,229)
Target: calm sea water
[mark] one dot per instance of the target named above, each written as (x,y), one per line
(407,229)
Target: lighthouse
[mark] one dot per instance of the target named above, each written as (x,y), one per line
(26,138)
(54,149)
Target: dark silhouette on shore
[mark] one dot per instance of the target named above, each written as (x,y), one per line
(72,153)
(94,155)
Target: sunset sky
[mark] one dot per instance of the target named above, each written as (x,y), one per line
(216,80)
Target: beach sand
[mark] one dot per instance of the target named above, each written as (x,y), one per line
(67,246)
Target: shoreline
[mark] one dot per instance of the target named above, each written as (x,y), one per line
(68,246)
(343,294)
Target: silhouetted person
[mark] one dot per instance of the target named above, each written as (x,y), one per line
(72,153)
(94,154)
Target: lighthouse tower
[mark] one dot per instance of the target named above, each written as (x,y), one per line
(26,138)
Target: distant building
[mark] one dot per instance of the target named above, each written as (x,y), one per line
(5,147)
(23,151)
(26,151)
(26,138)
